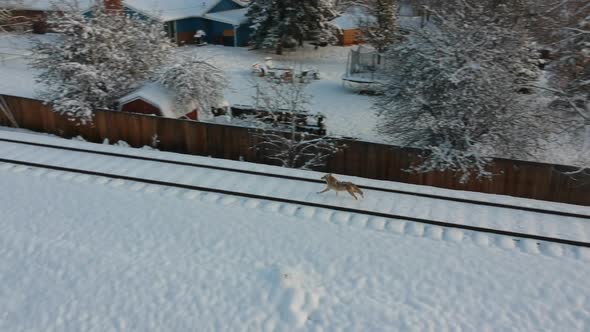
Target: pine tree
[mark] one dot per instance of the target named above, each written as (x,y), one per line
(264,16)
(380,26)
(277,23)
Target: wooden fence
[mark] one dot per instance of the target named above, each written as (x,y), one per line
(364,159)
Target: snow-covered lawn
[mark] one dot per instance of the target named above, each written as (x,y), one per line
(347,113)
(80,253)
(16,77)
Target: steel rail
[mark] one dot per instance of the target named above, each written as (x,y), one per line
(297,178)
(303,203)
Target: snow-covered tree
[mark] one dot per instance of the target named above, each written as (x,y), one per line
(264,17)
(453,89)
(561,31)
(570,83)
(380,26)
(280,23)
(291,148)
(97,59)
(194,82)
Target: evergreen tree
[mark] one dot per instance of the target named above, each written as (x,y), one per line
(380,26)
(280,23)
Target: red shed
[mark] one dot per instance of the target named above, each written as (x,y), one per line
(157,100)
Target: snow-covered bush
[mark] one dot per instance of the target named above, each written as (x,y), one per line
(453,89)
(291,149)
(194,82)
(97,59)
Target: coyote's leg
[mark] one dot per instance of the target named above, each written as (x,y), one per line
(351,192)
(323,191)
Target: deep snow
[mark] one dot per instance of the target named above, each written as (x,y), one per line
(390,203)
(81,253)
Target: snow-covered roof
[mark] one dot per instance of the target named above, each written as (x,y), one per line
(45,5)
(346,21)
(160,97)
(235,16)
(351,18)
(171,10)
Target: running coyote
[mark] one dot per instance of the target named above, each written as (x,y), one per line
(332,183)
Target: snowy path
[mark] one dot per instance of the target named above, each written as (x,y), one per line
(80,253)
(427,208)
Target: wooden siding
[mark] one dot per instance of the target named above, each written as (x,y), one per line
(185,38)
(244,32)
(142,107)
(194,115)
(186,29)
(370,160)
(351,37)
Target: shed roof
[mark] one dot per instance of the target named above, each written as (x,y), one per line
(160,97)
(234,16)
(45,5)
(351,18)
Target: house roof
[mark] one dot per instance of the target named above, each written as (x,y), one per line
(234,16)
(171,10)
(160,97)
(45,5)
(163,10)
(351,18)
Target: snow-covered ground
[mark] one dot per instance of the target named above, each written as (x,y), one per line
(16,77)
(390,203)
(82,253)
(347,113)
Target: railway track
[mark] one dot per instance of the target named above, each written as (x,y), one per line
(300,203)
(310,180)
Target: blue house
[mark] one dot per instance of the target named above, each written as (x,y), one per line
(223,21)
